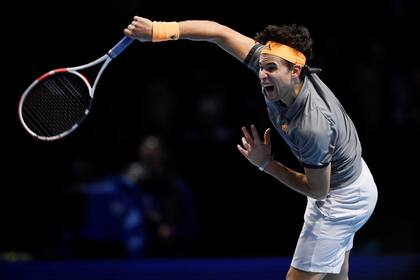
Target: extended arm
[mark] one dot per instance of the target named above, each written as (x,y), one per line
(226,38)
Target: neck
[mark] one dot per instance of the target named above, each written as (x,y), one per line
(288,99)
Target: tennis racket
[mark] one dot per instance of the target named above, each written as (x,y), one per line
(56,103)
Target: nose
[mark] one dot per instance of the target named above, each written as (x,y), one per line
(262,74)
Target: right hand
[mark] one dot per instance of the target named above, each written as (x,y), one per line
(140,28)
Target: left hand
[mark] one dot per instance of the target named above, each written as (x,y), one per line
(256,151)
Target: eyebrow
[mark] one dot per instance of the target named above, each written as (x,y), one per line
(267,64)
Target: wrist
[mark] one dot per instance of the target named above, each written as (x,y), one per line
(165,31)
(264,166)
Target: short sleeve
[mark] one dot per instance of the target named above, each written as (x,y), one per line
(252,60)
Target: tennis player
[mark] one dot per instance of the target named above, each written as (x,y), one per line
(340,190)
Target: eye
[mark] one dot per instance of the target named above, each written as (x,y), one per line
(271,67)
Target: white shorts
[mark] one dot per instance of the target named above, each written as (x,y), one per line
(330,225)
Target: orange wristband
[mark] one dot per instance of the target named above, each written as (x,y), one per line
(164,31)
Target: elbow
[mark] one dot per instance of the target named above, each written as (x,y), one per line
(319,195)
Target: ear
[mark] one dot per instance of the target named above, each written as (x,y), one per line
(296,70)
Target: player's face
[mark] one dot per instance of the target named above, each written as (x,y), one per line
(275,78)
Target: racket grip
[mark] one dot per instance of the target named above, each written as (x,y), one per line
(120,46)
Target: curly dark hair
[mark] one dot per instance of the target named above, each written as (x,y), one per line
(295,36)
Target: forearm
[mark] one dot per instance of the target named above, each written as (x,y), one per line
(294,180)
(231,41)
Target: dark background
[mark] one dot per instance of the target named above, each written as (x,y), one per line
(369,55)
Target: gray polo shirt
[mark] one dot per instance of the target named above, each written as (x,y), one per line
(316,127)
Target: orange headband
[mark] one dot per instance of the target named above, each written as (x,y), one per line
(288,53)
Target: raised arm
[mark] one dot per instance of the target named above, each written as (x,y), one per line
(226,38)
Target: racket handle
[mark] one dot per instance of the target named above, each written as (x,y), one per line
(120,46)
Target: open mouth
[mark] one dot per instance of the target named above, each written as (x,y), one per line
(268,91)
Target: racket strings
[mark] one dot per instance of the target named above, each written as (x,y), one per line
(64,108)
(56,104)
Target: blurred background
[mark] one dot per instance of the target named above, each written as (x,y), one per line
(154,171)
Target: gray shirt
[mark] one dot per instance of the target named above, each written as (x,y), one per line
(316,127)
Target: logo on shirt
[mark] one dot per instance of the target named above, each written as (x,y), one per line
(284,127)
(283,123)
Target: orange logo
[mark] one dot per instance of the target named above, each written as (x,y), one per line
(284,127)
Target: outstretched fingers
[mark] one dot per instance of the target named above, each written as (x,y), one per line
(247,136)
(255,150)
(267,139)
(249,141)
(242,150)
(245,143)
(255,133)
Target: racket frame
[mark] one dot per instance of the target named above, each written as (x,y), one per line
(106,59)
